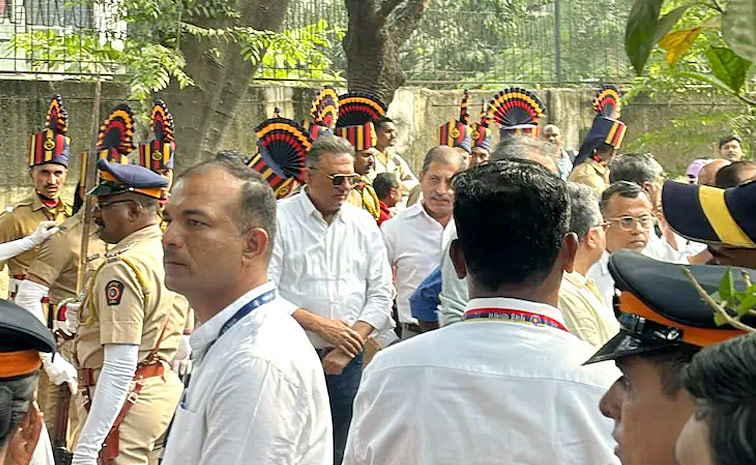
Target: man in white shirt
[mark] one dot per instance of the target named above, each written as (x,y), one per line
(257,393)
(414,237)
(629,212)
(508,378)
(329,259)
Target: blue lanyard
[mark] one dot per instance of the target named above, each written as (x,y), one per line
(244,311)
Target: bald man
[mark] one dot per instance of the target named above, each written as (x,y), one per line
(563,158)
(708,174)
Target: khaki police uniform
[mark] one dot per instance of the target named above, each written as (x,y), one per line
(127,303)
(56,267)
(591,173)
(20,221)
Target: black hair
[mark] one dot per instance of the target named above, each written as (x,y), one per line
(383,183)
(722,380)
(258,203)
(625,189)
(15,399)
(671,361)
(734,174)
(729,138)
(229,154)
(381,121)
(511,217)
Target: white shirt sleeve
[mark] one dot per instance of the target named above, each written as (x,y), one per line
(275,267)
(454,294)
(377,309)
(244,418)
(110,393)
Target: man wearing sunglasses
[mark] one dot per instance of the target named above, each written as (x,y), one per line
(329,259)
(627,208)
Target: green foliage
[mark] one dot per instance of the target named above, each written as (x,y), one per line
(734,302)
(147,52)
(642,32)
(739,27)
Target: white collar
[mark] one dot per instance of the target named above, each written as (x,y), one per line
(517,304)
(604,262)
(311,210)
(208,331)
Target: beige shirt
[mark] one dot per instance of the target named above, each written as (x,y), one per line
(57,262)
(20,221)
(585,313)
(592,174)
(124,306)
(397,165)
(364,197)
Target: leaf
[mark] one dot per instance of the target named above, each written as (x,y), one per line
(640,34)
(728,67)
(708,79)
(739,27)
(668,21)
(719,320)
(726,286)
(678,42)
(748,303)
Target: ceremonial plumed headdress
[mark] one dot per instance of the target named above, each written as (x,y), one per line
(282,146)
(482,135)
(517,112)
(52,144)
(157,153)
(606,128)
(357,113)
(323,113)
(456,133)
(115,138)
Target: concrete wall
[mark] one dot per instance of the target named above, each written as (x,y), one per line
(417,111)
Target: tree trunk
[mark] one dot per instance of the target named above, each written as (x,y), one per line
(221,76)
(377,30)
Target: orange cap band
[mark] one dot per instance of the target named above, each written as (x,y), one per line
(19,363)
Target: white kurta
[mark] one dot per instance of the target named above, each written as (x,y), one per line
(256,396)
(484,393)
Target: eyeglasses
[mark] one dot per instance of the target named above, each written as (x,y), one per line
(338,179)
(100,205)
(604,225)
(627,223)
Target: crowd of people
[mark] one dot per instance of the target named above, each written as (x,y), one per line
(319,303)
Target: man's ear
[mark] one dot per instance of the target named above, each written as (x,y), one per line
(591,238)
(569,251)
(458,259)
(256,242)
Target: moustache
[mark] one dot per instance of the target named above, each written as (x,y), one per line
(440,197)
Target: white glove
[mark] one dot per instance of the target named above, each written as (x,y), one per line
(60,371)
(181,363)
(43,232)
(71,325)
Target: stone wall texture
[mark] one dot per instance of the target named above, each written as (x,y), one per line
(417,111)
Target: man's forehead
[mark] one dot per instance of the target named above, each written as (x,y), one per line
(620,204)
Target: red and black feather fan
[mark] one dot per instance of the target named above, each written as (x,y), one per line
(57,116)
(516,107)
(358,108)
(607,102)
(162,122)
(284,143)
(464,112)
(325,107)
(117,131)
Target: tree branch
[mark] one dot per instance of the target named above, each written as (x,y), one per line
(388,6)
(718,309)
(406,18)
(745,99)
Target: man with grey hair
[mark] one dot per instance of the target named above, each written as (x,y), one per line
(584,310)
(257,392)
(454,294)
(414,239)
(329,259)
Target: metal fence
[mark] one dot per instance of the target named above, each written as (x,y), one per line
(456,42)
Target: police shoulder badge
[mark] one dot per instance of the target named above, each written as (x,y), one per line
(114,292)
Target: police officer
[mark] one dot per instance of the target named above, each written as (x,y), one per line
(129,326)
(48,167)
(53,275)
(664,322)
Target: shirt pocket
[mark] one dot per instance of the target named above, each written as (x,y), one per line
(185,439)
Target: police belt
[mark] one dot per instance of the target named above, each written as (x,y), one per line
(88,376)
